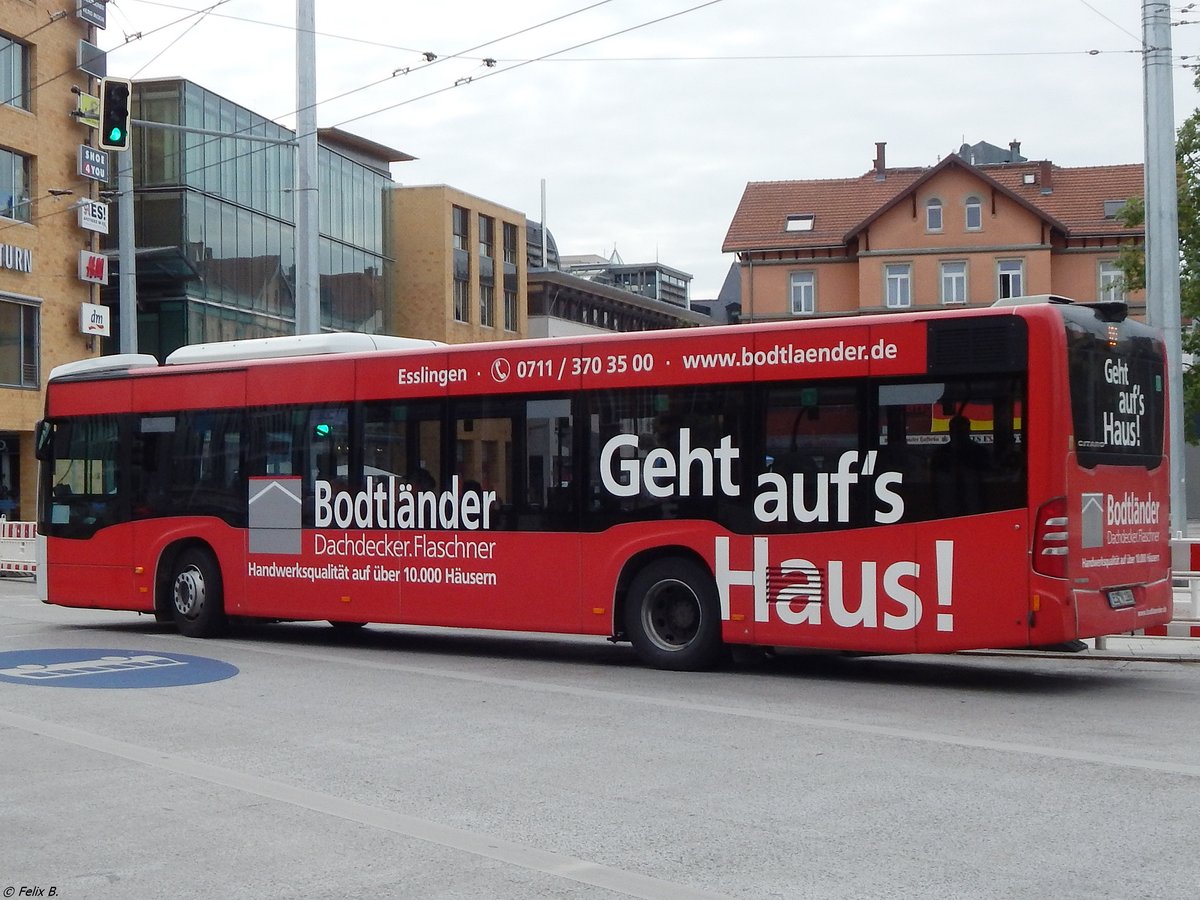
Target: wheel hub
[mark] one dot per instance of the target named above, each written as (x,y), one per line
(189,592)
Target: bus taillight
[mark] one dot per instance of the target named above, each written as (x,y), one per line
(1050,539)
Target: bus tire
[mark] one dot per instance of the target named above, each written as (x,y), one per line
(672,616)
(197,596)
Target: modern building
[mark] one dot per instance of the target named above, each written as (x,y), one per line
(653,280)
(575,295)
(46,243)
(214,223)
(950,235)
(565,305)
(460,272)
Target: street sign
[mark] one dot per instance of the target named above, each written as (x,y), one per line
(93,163)
(88,111)
(92,59)
(94,12)
(93,215)
(93,267)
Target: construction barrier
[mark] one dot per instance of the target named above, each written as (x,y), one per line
(1187,571)
(1185,575)
(18,547)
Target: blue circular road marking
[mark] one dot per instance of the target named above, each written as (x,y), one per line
(92,668)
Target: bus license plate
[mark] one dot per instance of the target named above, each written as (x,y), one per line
(1121,599)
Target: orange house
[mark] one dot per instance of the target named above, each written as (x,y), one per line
(953,235)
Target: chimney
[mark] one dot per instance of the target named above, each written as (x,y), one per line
(880,160)
(1014,151)
(1044,177)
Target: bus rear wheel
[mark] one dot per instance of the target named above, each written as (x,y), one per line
(197,597)
(672,616)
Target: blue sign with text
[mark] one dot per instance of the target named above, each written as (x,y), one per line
(91,668)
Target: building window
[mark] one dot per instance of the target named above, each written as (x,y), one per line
(19,337)
(14,68)
(14,186)
(804,293)
(510,310)
(487,237)
(1112,282)
(459,226)
(510,243)
(933,215)
(974,209)
(462,296)
(487,305)
(1010,274)
(954,282)
(804,222)
(898,278)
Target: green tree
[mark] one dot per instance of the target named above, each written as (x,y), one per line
(1132,260)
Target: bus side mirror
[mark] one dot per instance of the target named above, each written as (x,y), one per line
(43,439)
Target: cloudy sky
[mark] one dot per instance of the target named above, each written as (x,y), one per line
(647,118)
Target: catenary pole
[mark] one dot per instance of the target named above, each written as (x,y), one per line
(1162,231)
(308,297)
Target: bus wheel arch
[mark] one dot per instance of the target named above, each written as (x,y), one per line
(667,607)
(189,589)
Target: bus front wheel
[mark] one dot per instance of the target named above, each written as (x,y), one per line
(672,616)
(196,594)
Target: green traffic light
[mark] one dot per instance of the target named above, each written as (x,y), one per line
(115,135)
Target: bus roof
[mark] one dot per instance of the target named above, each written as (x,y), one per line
(294,345)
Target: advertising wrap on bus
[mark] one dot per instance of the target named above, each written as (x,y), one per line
(917,483)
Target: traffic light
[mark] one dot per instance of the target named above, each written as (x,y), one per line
(114,113)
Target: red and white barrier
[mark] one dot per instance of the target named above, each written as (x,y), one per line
(18,547)
(1184,629)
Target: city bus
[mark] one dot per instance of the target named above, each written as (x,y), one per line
(925,482)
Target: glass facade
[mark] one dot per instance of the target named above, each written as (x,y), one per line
(224,205)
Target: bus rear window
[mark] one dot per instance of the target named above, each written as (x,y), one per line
(1117,399)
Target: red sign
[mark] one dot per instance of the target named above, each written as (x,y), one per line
(93,267)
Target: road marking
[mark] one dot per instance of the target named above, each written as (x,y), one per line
(928,737)
(483,845)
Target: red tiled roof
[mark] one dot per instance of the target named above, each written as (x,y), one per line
(1077,194)
(841,205)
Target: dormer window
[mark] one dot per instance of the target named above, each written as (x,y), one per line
(933,215)
(803,222)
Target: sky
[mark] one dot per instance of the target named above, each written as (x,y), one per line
(647,118)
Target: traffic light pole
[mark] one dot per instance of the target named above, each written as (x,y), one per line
(126,253)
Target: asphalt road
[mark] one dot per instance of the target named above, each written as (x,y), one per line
(396,762)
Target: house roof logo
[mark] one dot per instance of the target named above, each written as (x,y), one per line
(1092,516)
(274,514)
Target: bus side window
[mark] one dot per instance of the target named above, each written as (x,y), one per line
(550,494)
(806,430)
(484,454)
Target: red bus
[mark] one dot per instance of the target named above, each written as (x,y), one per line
(902,483)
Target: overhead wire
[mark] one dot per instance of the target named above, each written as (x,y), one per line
(128,40)
(524,63)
